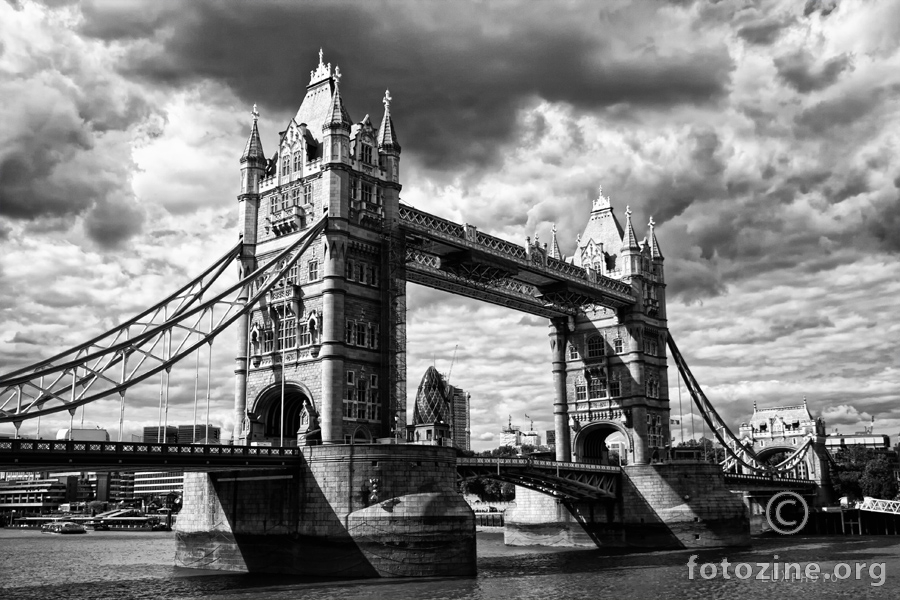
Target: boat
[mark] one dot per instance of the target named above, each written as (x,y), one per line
(63,527)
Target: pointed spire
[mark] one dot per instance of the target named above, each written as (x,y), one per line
(654,243)
(630,241)
(554,245)
(387,140)
(601,202)
(253,150)
(337,117)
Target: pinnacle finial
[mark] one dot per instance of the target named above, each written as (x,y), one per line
(337,74)
(387,99)
(651,223)
(628,212)
(255,114)
(321,57)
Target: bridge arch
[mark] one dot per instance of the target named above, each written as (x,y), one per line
(803,468)
(265,410)
(590,441)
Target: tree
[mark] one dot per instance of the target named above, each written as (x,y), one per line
(861,471)
(878,480)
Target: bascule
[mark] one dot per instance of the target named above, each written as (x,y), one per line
(325,251)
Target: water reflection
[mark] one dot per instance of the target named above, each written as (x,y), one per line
(139,565)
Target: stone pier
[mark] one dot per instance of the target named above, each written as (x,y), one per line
(672,505)
(367,510)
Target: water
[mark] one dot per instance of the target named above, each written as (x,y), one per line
(119,565)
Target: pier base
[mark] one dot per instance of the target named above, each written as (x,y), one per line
(349,511)
(672,505)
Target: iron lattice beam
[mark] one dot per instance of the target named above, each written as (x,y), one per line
(145,345)
(571,481)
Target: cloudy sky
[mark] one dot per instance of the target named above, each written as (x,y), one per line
(762,137)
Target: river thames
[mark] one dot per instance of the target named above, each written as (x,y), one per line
(118,565)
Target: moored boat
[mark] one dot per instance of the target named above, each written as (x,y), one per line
(63,527)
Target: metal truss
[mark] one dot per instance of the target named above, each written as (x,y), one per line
(882,506)
(569,481)
(422,268)
(739,454)
(145,345)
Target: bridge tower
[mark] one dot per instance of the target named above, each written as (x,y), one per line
(311,365)
(778,432)
(613,362)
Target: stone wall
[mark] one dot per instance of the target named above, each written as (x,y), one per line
(673,505)
(348,511)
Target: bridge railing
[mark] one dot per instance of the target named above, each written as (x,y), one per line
(139,448)
(492,461)
(766,479)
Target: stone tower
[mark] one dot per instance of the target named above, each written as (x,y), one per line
(615,361)
(311,365)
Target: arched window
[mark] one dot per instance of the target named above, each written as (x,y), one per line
(286,165)
(617,344)
(595,347)
(573,352)
(297,161)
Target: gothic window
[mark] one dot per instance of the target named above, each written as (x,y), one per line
(348,269)
(617,344)
(361,334)
(595,347)
(367,193)
(373,336)
(361,392)
(297,161)
(304,335)
(580,391)
(379,196)
(615,389)
(295,196)
(374,276)
(293,273)
(287,333)
(366,154)
(573,352)
(350,332)
(268,340)
(597,388)
(286,165)
(285,202)
(652,388)
(307,194)
(360,272)
(351,378)
(354,184)
(273,204)
(313,270)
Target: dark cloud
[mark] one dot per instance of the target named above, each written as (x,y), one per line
(824,7)
(843,110)
(457,82)
(883,222)
(763,32)
(799,70)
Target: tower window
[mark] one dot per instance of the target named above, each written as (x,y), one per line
(313,270)
(366,154)
(617,344)
(268,340)
(348,269)
(597,388)
(615,389)
(367,193)
(595,347)
(297,161)
(580,391)
(303,335)
(286,165)
(573,352)
(361,334)
(354,184)
(295,196)
(287,333)
(307,194)
(273,204)
(285,201)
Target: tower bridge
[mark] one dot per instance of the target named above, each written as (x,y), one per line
(325,251)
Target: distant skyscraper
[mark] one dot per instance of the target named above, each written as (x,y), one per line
(441,409)
(169,435)
(188,434)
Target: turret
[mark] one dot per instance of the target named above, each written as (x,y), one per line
(656,257)
(388,146)
(631,250)
(253,160)
(336,128)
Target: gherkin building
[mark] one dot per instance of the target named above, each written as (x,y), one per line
(432,403)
